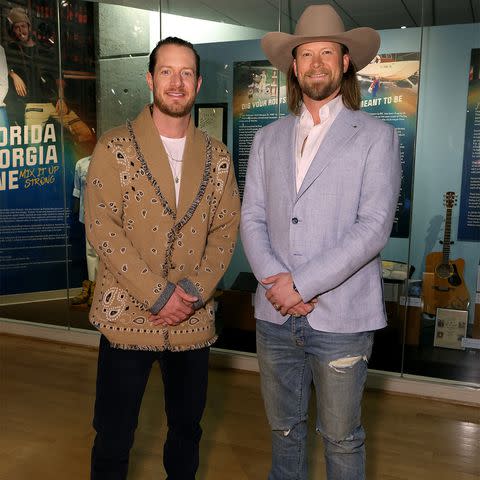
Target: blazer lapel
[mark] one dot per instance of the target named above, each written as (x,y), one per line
(285,145)
(193,166)
(151,146)
(343,129)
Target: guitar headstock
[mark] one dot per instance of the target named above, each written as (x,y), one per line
(450,199)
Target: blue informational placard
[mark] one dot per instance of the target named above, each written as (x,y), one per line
(469,221)
(259,98)
(389,89)
(39,236)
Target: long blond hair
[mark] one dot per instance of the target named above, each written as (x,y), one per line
(349,88)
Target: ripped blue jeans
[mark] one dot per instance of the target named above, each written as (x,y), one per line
(292,356)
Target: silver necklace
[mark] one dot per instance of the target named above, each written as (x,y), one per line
(177,166)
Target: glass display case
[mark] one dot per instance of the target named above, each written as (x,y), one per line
(80,71)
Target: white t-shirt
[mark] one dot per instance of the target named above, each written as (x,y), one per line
(174,148)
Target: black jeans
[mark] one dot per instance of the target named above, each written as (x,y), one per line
(121,379)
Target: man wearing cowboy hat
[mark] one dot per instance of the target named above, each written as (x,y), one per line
(320,197)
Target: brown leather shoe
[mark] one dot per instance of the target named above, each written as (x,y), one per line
(84,295)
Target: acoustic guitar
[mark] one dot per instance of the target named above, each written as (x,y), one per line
(443,282)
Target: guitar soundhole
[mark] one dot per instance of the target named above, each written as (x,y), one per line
(444,270)
(455,279)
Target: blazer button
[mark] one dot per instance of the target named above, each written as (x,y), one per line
(295,220)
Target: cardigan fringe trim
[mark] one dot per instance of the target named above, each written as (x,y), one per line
(163,348)
(157,348)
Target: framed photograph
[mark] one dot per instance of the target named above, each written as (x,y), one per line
(450,328)
(212,118)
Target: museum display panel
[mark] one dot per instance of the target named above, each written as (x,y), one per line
(67,84)
(444,244)
(94,55)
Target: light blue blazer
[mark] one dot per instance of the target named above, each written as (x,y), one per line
(329,234)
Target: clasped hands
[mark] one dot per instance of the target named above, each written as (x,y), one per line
(281,295)
(178,309)
(284,298)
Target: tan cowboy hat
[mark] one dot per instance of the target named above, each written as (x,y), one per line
(321,23)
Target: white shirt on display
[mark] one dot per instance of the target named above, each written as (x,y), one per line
(3,76)
(81,169)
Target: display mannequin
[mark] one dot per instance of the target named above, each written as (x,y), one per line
(88,285)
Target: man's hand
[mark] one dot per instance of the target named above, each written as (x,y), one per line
(61,107)
(281,294)
(302,309)
(19,84)
(178,309)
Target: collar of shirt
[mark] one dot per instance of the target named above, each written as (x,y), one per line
(310,136)
(327,112)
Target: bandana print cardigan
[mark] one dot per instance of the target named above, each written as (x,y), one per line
(147,245)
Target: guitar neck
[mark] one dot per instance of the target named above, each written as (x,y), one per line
(446,236)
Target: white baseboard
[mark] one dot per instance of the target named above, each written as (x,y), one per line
(386,381)
(427,387)
(55,333)
(19,298)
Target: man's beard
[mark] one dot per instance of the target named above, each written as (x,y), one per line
(319,90)
(177,110)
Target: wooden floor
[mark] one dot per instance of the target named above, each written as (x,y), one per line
(47,394)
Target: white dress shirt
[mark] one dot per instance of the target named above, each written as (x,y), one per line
(310,136)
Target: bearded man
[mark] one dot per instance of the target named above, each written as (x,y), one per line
(162,212)
(320,197)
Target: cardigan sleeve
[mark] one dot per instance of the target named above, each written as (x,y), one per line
(220,244)
(105,232)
